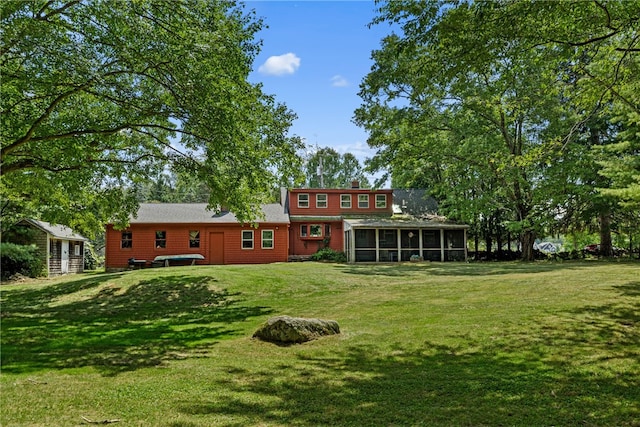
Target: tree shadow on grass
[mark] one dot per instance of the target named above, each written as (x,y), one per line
(116,329)
(465,269)
(572,368)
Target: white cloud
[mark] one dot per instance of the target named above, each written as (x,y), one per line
(280,65)
(339,81)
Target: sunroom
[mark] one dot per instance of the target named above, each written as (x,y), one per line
(395,240)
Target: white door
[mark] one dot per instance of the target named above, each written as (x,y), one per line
(64,266)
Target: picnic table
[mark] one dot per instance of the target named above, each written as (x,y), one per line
(164,260)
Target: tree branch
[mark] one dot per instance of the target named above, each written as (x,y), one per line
(54,11)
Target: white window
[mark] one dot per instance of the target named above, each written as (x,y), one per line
(303,230)
(267,239)
(321,200)
(247,239)
(345,201)
(363,201)
(76,250)
(303,200)
(381,201)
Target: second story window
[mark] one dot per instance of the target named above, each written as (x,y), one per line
(381,201)
(303,200)
(363,201)
(345,201)
(321,200)
(161,239)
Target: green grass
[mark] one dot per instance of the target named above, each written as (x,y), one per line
(496,344)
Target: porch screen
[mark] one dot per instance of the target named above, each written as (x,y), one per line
(388,244)
(454,245)
(410,241)
(365,245)
(431,245)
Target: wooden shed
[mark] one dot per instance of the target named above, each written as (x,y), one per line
(62,247)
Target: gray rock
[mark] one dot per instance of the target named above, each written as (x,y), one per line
(294,330)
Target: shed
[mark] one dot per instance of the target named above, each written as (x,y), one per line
(62,247)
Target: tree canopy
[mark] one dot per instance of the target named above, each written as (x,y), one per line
(495,118)
(97,96)
(337,170)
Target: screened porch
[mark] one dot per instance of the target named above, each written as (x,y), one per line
(394,241)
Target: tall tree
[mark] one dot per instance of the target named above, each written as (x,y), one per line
(493,110)
(326,168)
(97,95)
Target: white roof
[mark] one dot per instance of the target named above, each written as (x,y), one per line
(58,231)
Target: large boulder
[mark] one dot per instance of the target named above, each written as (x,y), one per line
(294,330)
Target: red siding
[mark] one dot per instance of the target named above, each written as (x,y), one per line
(177,235)
(333,202)
(309,246)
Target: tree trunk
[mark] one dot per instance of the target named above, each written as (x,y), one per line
(488,242)
(527,239)
(606,247)
(476,242)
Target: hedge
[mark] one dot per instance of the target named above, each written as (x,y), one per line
(22,259)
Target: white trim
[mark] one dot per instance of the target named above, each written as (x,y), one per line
(364,196)
(342,202)
(242,240)
(262,239)
(326,201)
(301,206)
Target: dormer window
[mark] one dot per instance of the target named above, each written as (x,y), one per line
(303,200)
(363,201)
(321,200)
(345,201)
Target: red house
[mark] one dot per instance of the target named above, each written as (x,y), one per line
(368,225)
(317,215)
(165,230)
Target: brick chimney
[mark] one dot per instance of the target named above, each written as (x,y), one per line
(355,184)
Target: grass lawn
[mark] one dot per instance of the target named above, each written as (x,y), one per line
(495,344)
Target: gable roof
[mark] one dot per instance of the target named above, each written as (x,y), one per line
(58,231)
(197,213)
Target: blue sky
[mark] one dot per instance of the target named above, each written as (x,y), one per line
(313,59)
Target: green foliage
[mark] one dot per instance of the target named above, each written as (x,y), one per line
(328,254)
(97,96)
(21,259)
(338,170)
(495,120)
(91,259)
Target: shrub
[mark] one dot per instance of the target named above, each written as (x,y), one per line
(90,257)
(22,259)
(328,254)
